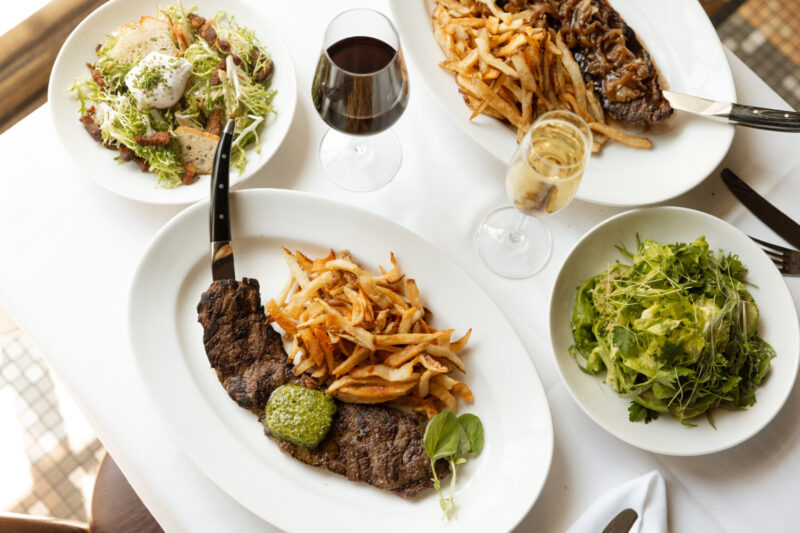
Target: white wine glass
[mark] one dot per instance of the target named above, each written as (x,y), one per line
(541,179)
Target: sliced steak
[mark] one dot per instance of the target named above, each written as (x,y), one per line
(374,444)
(614,60)
(370,443)
(246,353)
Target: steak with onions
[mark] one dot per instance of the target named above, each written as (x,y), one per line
(370,443)
(613,59)
(610,56)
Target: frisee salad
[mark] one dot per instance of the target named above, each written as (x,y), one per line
(161,89)
(675,331)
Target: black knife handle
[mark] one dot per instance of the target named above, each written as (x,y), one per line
(762,209)
(220,227)
(765,119)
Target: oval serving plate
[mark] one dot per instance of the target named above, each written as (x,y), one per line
(686,149)
(98,163)
(778,325)
(494,491)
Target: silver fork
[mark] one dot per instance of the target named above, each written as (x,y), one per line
(786,259)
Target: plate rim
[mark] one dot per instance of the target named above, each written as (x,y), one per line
(548,446)
(398,7)
(55,100)
(757,428)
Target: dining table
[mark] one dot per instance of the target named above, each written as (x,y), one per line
(71,248)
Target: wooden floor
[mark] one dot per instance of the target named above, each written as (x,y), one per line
(27,53)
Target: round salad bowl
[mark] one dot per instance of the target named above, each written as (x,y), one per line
(777,325)
(126,179)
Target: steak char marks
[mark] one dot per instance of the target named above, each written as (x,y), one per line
(371,443)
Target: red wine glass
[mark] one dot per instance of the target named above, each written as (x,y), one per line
(360,89)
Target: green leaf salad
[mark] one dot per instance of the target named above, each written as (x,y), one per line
(675,331)
(230,75)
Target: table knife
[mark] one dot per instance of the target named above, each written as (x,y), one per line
(623,522)
(765,211)
(219,213)
(753,117)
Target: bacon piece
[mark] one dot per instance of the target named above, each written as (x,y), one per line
(97,76)
(91,126)
(215,122)
(126,154)
(160,138)
(195,20)
(208,33)
(189,174)
(265,71)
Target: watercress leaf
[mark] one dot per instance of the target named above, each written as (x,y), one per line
(442,435)
(463,443)
(624,339)
(474,429)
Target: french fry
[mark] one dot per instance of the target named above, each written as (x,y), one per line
(374,393)
(443,394)
(359,354)
(536,70)
(406,354)
(365,337)
(627,139)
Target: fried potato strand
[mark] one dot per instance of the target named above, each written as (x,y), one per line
(511,66)
(366,337)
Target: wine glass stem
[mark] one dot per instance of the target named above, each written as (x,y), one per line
(516,234)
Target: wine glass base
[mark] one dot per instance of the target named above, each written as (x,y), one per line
(360,163)
(505,257)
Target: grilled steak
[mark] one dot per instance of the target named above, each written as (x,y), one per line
(375,444)
(371,443)
(613,59)
(610,55)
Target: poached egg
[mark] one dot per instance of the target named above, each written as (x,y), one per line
(158,80)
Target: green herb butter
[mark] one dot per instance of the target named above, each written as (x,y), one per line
(299,415)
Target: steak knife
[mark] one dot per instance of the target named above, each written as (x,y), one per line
(765,211)
(753,117)
(219,213)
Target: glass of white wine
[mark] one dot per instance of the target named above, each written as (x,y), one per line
(541,178)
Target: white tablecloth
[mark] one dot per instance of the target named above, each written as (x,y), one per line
(69,250)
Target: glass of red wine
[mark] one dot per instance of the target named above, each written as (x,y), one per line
(360,89)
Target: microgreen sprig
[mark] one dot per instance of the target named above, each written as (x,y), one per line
(451,438)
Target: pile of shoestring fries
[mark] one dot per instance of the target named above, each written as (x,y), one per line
(513,67)
(366,337)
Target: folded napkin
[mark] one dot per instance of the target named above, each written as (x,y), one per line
(647,495)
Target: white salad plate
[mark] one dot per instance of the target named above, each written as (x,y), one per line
(495,490)
(686,149)
(125,179)
(777,324)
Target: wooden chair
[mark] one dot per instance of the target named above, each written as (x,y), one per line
(115,509)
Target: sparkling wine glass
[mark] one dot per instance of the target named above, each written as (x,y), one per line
(360,89)
(541,178)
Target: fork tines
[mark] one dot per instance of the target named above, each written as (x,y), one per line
(786,259)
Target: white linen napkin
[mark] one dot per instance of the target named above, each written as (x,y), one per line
(647,495)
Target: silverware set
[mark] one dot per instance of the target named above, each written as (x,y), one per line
(786,259)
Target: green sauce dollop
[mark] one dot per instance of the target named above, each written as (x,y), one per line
(299,415)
